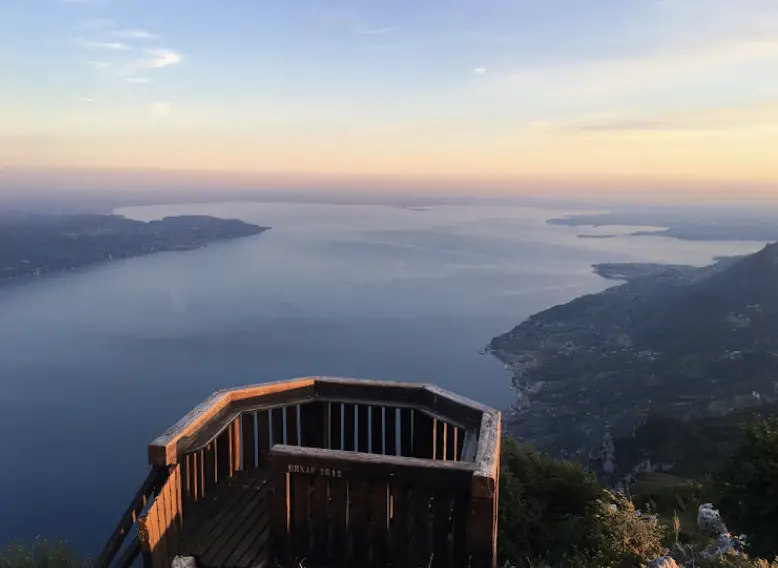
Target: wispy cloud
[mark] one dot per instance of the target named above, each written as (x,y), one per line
(762,115)
(133,34)
(480,70)
(109,45)
(86,100)
(137,80)
(161,109)
(100,65)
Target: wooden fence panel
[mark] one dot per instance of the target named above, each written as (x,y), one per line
(159,528)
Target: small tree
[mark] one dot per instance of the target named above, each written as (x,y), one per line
(747,488)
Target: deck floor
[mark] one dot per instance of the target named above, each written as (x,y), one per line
(230,528)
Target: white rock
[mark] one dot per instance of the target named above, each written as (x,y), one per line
(709,520)
(663,562)
(184,562)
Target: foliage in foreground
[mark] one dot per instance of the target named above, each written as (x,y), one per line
(553,512)
(747,488)
(41,554)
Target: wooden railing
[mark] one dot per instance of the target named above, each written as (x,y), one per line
(362,472)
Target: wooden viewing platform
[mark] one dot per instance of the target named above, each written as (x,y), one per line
(319,472)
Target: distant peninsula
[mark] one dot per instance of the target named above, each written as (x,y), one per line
(35,245)
(681,224)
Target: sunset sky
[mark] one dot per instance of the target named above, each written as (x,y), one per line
(558,90)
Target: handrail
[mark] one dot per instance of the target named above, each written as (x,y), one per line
(154,480)
(206,421)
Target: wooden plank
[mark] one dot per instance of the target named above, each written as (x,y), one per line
(292,425)
(248,440)
(339,509)
(420,545)
(320,551)
(314,424)
(379,523)
(406,432)
(371,467)
(263,436)
(377,429)
(441,517)
(336,426)
(349,429)
(390,427)
(277,426)
(255,551)
(423,436)
(363,428)
(401,522)
(242,534)
(487,457)
(459,530)
(154,479)
(358,522)
(387,392)
(206,528)
(481,533)
(281,516)
(160,518)
(300,523)
(234,527)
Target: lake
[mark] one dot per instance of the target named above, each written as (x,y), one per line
(95,363)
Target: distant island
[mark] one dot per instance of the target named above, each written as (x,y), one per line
(675,342)
(34,245)
(716,225)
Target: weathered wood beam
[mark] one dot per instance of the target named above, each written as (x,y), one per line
(371,467)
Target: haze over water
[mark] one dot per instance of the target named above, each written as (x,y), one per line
(96,363)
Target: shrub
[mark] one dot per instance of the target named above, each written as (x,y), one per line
(552,511)
(747,488)
(41,554)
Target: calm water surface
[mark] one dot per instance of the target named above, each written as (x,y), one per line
(94,364)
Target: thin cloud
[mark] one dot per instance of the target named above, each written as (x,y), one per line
(480,70)
(159,58)
(133,34)
(86,100)
(100,65)
(137,80)
(748,117)
(109,45)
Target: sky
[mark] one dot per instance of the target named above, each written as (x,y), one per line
(679,93)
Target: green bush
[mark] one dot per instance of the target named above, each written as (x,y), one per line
(746,488)
(553,512)
(41,554)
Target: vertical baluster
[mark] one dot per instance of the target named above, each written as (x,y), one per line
(263,436)
(349,428)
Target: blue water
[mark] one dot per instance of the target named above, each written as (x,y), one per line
(96,363)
